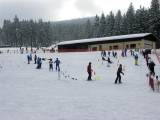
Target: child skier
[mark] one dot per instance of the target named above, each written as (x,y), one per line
(57,62)
(157,83)
(31,57)
(35,59)
(109,60)
(28,58)
(89,70)
(151,80)
(119,71)
(136,59)
(50,65)
(39,63)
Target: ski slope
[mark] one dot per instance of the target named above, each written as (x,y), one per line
(30,94)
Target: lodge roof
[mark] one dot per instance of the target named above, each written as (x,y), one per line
(119,37)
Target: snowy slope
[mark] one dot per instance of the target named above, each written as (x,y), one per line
(31,94)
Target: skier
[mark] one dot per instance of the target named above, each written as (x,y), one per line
(89,70)
(109,60)
(39,63)
(122,54)
(109,53)
(28,58)
(31,57)
(147,59)
(157,84)
(50,65)
(35,59)
(151,80)
(104,53)
(125,52)
(151,66)
(115,54)
(136,59)
(57,62)
(131,52)
(119,71)
(103,59)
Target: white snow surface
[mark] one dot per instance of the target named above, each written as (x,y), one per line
(30,94)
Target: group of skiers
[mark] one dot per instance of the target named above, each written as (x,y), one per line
(103,55)
(38,61)
(154,82)
(118,78)
(57,62)
(153,79)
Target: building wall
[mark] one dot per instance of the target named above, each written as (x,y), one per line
(113,45)
(119,45)
(148,44)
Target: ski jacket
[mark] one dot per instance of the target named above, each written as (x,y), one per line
(50,62)
(89,69)
(119,71)
(136,57)
(57,62)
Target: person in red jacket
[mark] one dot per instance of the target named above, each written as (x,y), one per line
(89,70)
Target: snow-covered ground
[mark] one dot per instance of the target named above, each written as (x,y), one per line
(30,94)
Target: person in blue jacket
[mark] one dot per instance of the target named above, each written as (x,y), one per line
(39,63)
(57,62)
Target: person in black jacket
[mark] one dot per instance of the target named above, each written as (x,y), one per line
(35,59)
(89,70)
(119,71)
(151,66)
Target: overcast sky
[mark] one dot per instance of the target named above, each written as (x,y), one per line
(55,10)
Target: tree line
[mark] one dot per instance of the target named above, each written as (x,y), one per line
(40,33)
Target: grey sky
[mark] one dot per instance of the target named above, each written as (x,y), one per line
(53,10)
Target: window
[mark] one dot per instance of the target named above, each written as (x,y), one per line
(115,47)
(94,49)
(132,46)
(110,47)
(127,46)
(100,47)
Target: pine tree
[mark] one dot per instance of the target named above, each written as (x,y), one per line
(16,26)
(117,23)
(141,20)
(88,29)
(102,26)
(123,25)
(154,16)
(130,17)
(110,24)
(96,27)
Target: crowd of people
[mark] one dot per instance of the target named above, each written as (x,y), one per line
(154,81)
(38,61)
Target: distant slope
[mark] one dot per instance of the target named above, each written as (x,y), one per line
(74,21)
